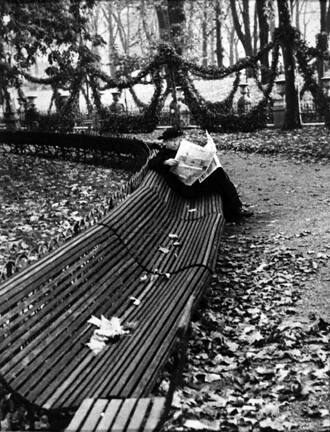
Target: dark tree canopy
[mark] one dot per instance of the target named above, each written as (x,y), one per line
(31,28)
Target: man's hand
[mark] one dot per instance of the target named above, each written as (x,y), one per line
(171,162)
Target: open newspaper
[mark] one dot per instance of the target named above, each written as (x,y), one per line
(196,163)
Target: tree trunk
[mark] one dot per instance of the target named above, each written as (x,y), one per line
(218,30)
(323,36)
(236,57)
(246,21)
(190,25)
(264,37)
(245,38)
(291,7)
(272,20)
(255,30)
(212,47)
(128,23)
(305,22)
(323,15)
(144,19)
(177,23)
(328,19)
(231,46)
(121,30)
(292,119)
(93,25)
(111,40)
(297,15)
(163,21)
(204,35)
(171,22)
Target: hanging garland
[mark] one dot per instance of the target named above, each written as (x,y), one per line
(266,90)
(210,115)
(143,122)
(214,117)
(138,102)
(210,72)
(226,105)
(124,82)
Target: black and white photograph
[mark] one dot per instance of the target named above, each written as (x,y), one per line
(165,215)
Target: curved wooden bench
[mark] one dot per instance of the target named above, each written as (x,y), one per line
(114,151)
(44,309)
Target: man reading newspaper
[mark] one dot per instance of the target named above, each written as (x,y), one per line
(192,170)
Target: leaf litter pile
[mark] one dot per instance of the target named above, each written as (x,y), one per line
(42,198)
(252,365)
(307,144)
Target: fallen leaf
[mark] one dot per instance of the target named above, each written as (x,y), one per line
(271,425)
(205,425)
(136,302)
(163,250)
(211,377)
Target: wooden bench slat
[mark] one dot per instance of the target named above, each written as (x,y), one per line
(155,414)
(123,415)
(80,415)
(139,415)
(118,415)
(94,415)
(109,415)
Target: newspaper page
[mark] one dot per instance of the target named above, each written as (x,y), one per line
(215,162)
(196,162)
(193,162)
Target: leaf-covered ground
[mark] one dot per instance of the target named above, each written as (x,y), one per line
(309,144)
(42,198)
(258,355)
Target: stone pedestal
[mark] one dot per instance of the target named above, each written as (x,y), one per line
(279,112)
(11,117)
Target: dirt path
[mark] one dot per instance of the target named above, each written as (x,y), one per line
(259,349)
(291,200)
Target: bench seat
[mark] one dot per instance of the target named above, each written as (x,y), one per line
(44,309)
